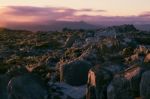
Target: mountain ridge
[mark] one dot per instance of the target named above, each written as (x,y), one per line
(59,25)
(52,25)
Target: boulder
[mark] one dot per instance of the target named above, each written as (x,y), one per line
(125,85)
(4,79)
(119,88)
(145,85)
(98,80)
(27,86)
(75,73)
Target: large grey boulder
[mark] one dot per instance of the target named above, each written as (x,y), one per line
(75,73)
(5,78)
(145,85)
(119,88)
(26,86)
(125,85)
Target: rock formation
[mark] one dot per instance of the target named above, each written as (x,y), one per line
(125,85)
(98,79)
(75,73)
(26,87)
(145,86)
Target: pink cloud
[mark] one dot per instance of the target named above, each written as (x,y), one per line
(145,14)
(43,15)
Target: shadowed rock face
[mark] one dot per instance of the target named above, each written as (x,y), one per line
(126,84)
(5,78)
(98,80)
(75,73)
(26,87)
(3,86)
(145,86)
(119,89)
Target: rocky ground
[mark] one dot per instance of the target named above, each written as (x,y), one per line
(108,63)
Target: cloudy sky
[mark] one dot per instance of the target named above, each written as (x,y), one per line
(93,11)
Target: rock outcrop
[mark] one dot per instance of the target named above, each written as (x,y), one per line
(3,86)
(119,89)
(125,85)
(98,80)
(26,86)
(145,85)
(75,73)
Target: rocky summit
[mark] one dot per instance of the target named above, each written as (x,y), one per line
(106,63)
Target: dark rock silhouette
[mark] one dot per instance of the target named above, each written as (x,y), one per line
(75,73)
(3,86)
(26,86)
(145,85)
(126,84)
(119,89)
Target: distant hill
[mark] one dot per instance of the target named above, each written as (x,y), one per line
(145,27)
(59,25)
(52,26)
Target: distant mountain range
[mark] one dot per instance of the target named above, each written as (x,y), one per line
(59,25)
(52,26)
(145,27)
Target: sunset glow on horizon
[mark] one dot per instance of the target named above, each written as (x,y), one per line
(74,10)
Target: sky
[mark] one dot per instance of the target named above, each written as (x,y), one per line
(92,11)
